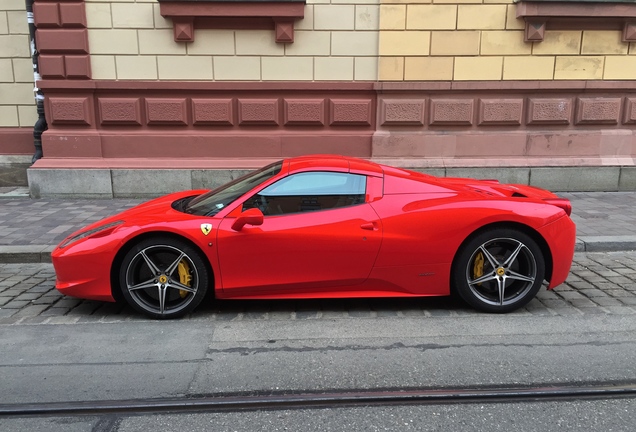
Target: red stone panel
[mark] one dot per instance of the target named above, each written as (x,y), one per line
(46,15)
(78,66)
(629,115)
(120,111)
(457,112)
(71,41)
(51,66)
(166,111)
(73,14)
(258,112)
(213,112)
(549,111)
(598,110)
(500,112)
(350,112)
(304,112)
(402,112)
(70,110)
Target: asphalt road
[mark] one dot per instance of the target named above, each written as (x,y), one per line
(582,334)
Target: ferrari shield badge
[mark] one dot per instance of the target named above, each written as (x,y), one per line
(206,228)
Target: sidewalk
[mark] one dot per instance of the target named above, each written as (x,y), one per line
(30,229)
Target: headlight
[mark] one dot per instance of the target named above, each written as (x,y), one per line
(89,233)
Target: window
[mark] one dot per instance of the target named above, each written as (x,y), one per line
(310,191)
(214,201)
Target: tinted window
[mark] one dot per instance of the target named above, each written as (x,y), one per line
(214,201)
(310,191)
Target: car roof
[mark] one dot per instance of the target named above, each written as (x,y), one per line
(334,163)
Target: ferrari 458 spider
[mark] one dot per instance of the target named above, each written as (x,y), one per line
(325,226)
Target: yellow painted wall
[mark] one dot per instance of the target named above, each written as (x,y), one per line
(337,40)
(483,40)
(17,103)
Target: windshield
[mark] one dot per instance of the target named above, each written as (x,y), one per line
(214,201)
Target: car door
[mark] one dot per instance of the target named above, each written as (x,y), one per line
(318,234)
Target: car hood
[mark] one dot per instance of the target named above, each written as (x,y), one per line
(156,210)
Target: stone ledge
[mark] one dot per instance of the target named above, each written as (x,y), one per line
(134,182)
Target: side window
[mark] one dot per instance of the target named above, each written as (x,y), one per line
(310,191)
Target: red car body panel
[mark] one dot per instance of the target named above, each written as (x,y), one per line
(401,242)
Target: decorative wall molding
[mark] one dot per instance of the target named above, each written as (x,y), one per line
(129,119)
(575,15)
(278,15)
(479,122)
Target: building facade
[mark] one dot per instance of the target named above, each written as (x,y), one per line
(149,96)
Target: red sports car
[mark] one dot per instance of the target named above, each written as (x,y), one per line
(325,226)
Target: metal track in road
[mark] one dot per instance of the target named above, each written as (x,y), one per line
(319,400)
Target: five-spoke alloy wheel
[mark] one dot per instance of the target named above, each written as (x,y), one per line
(499,270)
(163,277)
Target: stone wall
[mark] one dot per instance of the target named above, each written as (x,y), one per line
(131,40)
(17,104)
(461,40)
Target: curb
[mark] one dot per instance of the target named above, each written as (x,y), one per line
(25,254)
(605,243)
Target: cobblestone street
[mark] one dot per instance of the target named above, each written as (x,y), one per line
(599,283)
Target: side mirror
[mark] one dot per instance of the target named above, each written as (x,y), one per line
(251,216)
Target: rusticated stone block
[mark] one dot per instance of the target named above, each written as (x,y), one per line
(598,111)
(166,111)
(71,41)
(46,15)
(258,112)
(455,112)
(629,115)
(120,111)
(70,110)
(404,112)
(500,112)
(629,32)
(535,30)
(183,30)
(284,31)
(51,66)
(350,112)
(213,112)
(73,14)
(549,111)
(304,112)
(78,67)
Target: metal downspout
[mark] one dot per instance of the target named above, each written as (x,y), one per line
(40,124)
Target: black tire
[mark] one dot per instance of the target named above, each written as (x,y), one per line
(168,266)
(496,259)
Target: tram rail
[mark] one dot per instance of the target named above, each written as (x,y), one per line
(233,403)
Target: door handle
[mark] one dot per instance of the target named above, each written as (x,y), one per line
(368,226)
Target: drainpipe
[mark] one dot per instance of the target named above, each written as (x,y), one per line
(40,124)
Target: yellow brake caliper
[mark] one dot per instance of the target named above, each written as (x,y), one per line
(478,267)
(184,277)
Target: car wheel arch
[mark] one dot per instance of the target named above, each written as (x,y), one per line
(529,231)
(131,242)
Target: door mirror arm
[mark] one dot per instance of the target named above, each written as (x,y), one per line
(251,216)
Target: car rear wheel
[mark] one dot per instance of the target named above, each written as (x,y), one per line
(499,270)
(163,277)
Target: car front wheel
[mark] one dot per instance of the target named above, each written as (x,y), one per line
(163,277)
(499,270)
